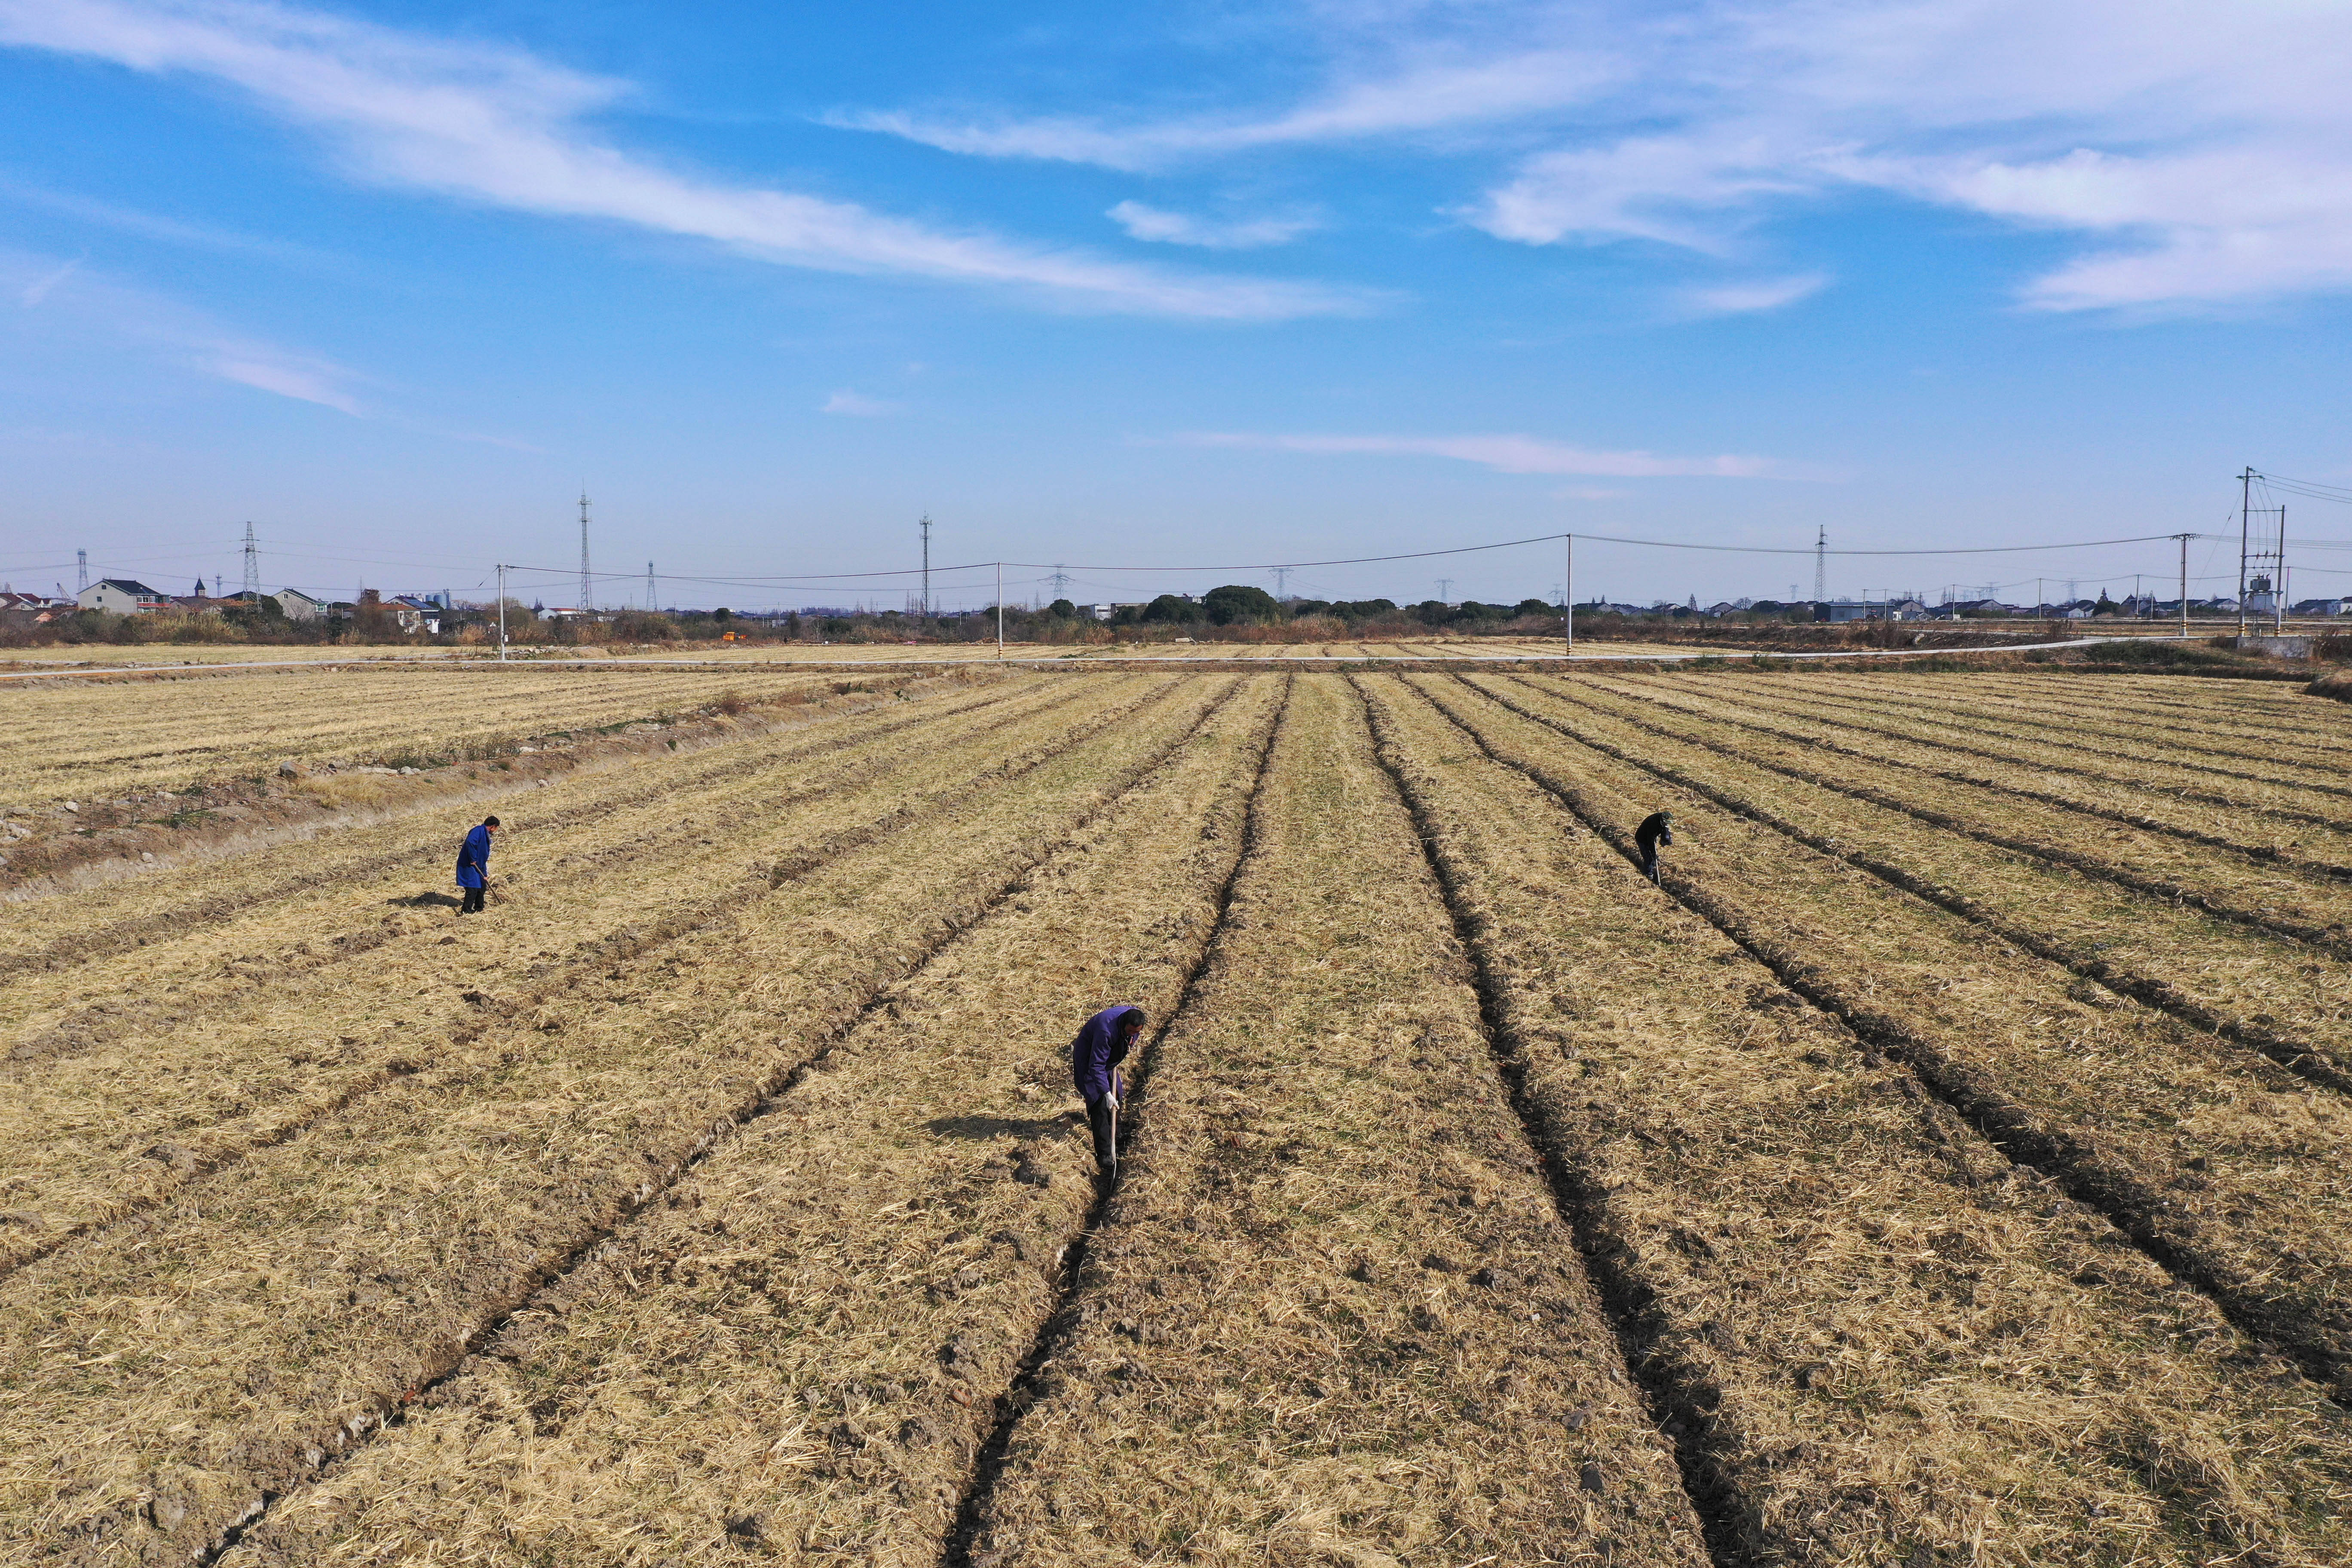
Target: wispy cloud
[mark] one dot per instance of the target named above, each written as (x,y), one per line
(1181,228)
(1507,454)
(1756,294)
(859,405)
(1419,96)
(94,307)
(502,127)
(33,293)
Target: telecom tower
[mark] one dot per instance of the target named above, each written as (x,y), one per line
(1821,564)
(926,563)
(81,570)
(252,565)
(650,604)
(587,592)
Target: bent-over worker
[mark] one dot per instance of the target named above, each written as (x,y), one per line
(1102,1043)
(474,865)
(1656,828)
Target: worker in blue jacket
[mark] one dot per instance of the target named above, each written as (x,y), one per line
(474,865)
(1102,1043)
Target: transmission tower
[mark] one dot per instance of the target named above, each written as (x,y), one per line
(81,570)
(926,563)
(252,565)
(1445,590)
(1282,583)
(587,592)
(1061,581)
(1821,564)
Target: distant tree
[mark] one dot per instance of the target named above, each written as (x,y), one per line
(1367,609)
(1064,609)
(1309,608)
(370,620)
(722,614)
(1170,609)
(1238,604)
(1534,607)
(1433,612)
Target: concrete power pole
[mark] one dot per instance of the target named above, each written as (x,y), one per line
(1821,564)
(587,591)
(2184,539)
(926,526)
(651,592)
(2245,522)
(252,565)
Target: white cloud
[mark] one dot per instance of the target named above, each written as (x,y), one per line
(1755,294)
(1507,454)
(498,126)
(2202,153)
(1421,95)
(860,405)
(95,308)
(1180,228)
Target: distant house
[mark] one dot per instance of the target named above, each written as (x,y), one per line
(416,615)
(2325,607)
(1848,610)
(122,596)
(299,606)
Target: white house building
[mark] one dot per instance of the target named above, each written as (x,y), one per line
(122,596)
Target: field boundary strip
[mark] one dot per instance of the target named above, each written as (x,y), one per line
(633,945)
(665,1175)
(478,662)
(2300,1058)
(2020,1135)
(1677,1402)
(2324,937)
(2168,720)
(125,936)
(1060,1320)
(1946,743)
(2056,802)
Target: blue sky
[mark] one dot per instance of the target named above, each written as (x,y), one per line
(1182,285)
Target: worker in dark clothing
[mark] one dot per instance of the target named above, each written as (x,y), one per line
(1656,828)
(474,865)
(1102,1043)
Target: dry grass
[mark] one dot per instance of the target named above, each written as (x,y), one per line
(355,1260)
(2208,1148)
(1332,1316)
(767,1348)
(1888,1339)
(244,1034)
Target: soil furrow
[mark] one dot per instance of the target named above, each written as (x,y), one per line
(2303,1057)
(1874,1336)
(2260,855)
(177,1167)
(1060,1324)
(2330,938)
(1331,1313)
(91,942)
(221,1472)
(1681,1399)
(2311,1326)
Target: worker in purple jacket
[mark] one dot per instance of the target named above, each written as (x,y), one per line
(1102,1043)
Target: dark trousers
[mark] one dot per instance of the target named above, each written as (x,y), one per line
(473,904)
(1650,864)
(1105,1128)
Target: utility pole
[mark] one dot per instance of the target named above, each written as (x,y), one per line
(587,591)
(1000,609)
(650,590)
(81,570)
(2184,539)
(252,565)
(927,571)
(503,614)
(1568,599)
(1820,564)
(2245,538)
(2278,585)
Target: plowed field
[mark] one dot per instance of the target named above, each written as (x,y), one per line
(1943,1162)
